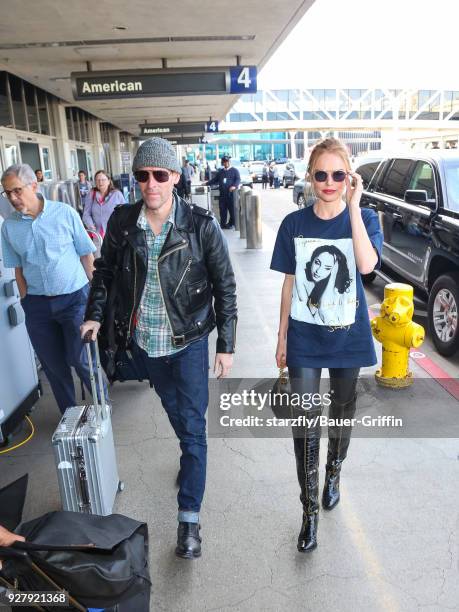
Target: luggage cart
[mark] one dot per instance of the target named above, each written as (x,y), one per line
(200,195)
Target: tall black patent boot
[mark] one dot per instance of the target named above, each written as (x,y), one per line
(338,444)
(307,448)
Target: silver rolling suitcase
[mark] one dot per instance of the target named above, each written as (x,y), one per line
(84,452)
(200,195)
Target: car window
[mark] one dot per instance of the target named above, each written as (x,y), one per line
(452,183)
(396,179)
(366,171)
(423,178)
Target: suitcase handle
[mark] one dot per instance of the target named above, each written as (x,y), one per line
(101,409)
(13,553)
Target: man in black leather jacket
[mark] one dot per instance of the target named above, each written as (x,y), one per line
(165,268)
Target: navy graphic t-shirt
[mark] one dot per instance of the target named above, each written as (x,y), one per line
(329,325)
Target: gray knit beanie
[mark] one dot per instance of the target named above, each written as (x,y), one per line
(156,152)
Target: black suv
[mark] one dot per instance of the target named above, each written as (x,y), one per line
(417,198)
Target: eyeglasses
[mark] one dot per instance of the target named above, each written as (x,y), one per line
(160,176)
(338,176)
(17,192)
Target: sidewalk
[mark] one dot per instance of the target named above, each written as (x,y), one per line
(391,543)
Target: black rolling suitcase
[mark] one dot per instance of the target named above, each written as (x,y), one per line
(102,562)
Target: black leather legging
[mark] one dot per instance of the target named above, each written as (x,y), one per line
(307,439)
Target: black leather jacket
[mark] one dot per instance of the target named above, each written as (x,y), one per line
(194,269)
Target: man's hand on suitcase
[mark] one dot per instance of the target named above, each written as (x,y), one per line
(89,326)
(8,537)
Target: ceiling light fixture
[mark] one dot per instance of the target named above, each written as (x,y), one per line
(126,41)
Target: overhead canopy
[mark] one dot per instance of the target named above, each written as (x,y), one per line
(43,42)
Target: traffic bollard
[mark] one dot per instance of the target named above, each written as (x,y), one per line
(253,222)
(237,205)
(245,193)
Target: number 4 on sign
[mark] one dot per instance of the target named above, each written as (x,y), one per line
(212,126)
(244,78)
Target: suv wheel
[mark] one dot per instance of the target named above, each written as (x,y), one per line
(284,183)
(301,201)
(443,314)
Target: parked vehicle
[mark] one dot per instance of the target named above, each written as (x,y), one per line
(280,165)
(256,171)
(294,170)
(302,195)
(246,177)
(417,198)
(366,166)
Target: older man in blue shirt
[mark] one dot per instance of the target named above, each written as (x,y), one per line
(52,254)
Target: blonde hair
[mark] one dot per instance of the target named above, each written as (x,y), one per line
(327,145)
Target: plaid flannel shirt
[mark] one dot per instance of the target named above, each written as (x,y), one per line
(153,332)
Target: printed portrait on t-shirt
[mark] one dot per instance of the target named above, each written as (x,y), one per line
(325,288)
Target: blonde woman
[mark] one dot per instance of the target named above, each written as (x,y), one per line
(322,250)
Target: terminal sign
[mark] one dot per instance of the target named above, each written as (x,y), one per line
(115,84)
(166,129)
(243,79)
(211,126)
(174,140)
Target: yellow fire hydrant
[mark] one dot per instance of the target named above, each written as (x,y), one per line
(397,333)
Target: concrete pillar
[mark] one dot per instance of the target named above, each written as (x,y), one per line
(63,161)
(98,147)
(115,151)
(292,145)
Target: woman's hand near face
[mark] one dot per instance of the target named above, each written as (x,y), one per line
(354,193)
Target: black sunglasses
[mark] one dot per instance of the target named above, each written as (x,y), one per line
(160,176)
(338,176)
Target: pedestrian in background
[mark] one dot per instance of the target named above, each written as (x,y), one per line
(84,186)
(100,202)
(188,173)
(276,176)
(228,180)
(271,175)
(52,254)
(264,176)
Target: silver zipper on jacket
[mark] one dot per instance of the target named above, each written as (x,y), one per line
(135,292)
(187,269)
(178,248)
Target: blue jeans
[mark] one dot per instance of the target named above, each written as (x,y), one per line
(53,324)
(182,382)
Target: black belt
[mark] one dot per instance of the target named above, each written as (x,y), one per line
(184,339)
